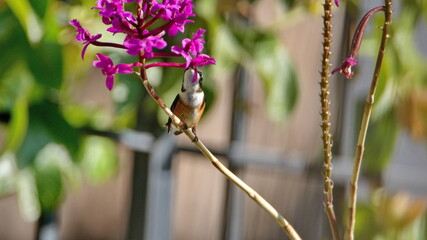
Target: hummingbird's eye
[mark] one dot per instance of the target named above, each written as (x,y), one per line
(201,75)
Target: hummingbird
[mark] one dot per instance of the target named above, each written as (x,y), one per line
(190,103)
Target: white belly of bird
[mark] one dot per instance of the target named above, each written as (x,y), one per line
(192,99)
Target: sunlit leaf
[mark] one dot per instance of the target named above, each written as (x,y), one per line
(76,114)
(289,3)
(127,92)
(278,75)
(366,226)
(28,19)
(226,49)
(206,8)
(17,126)
(51,15)
(412,112)
(45,62)
(380,142)
(50,188)
(56,156)
(7,173)
(99,159)
(27,195)
(14,90)
(13,42)
(385,96)
(46,125)
(40,6)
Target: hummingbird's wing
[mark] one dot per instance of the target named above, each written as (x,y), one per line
(169,123)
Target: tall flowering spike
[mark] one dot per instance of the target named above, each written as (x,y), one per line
(109,70)
(144,32)
(83,35)
(345,66)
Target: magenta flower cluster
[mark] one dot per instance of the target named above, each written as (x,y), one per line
(141,38)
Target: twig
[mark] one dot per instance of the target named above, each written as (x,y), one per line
(325,114)
(349,231)
(290,231)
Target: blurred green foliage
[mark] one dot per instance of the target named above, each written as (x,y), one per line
(238,40)
(400,103)
(391,217)
(402,82)
(44,147)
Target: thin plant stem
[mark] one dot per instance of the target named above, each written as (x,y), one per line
(349,230)
(325,114)
(290,231)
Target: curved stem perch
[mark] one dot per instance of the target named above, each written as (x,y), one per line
(290,231)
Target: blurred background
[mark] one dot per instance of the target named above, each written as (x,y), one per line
(80,162)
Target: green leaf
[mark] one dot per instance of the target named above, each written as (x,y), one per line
(275,68)
(45,62)
(98,160)
(50,188)
(53,169)
(227,50)
(13,42)
(387,87)
(206,8)
(46,125)
(14,90)
(11,85)
(366,226)
(127,92)
(17,126)
(56,156)
(27,18)
(44,59)
(289,3)
(7,173)
(380,141)
(76,114)
(27,195)
(40,6)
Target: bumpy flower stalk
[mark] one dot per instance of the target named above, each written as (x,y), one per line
(325,114)
(349,231)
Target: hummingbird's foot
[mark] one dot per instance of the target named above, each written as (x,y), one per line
(195,139)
